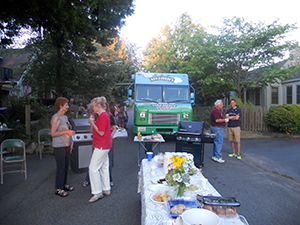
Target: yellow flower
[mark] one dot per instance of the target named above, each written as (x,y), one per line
(177,161)
(181,160)
(176,165)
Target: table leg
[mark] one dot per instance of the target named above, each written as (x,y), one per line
(139,156)
(202,155)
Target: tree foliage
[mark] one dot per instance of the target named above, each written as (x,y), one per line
(84,77)
(242,55)
(187,48)
(248,52)
(70,25)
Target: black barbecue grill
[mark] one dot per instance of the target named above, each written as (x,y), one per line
(190,138)
(83,139)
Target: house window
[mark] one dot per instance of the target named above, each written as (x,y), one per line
(257,97)
(298,94)
(289,94)
(274,95)
(247,96)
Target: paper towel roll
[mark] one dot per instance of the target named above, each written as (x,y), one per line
(167,161)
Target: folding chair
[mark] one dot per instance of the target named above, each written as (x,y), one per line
(17,157)
(44,141)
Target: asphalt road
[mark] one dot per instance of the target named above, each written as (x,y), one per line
(266,182)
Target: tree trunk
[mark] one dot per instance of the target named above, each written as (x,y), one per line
(240,94)
(58,73)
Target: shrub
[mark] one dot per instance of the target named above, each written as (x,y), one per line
(285,117)
(242,105)
(15,117)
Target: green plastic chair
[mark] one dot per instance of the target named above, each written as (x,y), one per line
(16,160)
(44,141)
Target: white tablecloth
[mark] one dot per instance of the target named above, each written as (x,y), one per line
(158,213)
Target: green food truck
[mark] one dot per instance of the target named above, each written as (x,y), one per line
(161,100)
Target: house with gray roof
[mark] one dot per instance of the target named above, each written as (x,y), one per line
(283,92)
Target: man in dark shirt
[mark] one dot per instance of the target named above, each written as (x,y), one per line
(217,122)
(234,131)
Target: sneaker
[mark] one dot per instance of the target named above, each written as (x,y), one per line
(239,157)
(220,160)
(232,155)
(214,158)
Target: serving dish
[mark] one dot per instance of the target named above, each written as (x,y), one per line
(164,195)
(181,206)
(222,206)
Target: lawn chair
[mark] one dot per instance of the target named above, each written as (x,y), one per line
(18,157)
(44,141)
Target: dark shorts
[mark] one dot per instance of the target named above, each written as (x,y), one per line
(121,120)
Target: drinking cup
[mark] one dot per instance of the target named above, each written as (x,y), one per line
(204,182)
(149,156)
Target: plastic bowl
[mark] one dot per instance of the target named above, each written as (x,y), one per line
(200,216)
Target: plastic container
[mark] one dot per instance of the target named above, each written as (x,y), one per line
(181,206)
(222,206)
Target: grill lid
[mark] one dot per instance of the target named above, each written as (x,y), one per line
(80,125)
(190,127)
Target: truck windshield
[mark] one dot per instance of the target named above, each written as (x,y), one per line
(161,93)
(176,93)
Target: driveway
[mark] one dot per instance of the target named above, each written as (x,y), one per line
(280,156)
(266,196)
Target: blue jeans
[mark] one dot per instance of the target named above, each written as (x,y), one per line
(218,142)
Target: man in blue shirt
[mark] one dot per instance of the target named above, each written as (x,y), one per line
(234,130)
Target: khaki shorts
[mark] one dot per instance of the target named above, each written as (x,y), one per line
(234,134)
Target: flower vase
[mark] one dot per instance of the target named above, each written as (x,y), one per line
(179,190)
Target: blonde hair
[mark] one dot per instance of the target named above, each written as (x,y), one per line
(100,100)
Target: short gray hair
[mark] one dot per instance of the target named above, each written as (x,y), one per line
(100,100)
(218,102)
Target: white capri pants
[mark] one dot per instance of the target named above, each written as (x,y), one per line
(99,171)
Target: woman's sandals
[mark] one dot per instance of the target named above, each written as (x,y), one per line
(61,193)
(68,188)
(85,183)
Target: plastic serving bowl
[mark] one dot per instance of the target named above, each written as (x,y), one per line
(200,216)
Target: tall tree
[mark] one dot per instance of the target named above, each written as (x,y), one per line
(187,48)
(248,53)
(71,25)
(130,62)
(96,75)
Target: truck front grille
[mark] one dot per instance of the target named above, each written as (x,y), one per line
(164,118)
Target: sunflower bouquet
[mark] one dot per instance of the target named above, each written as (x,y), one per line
(178,176)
